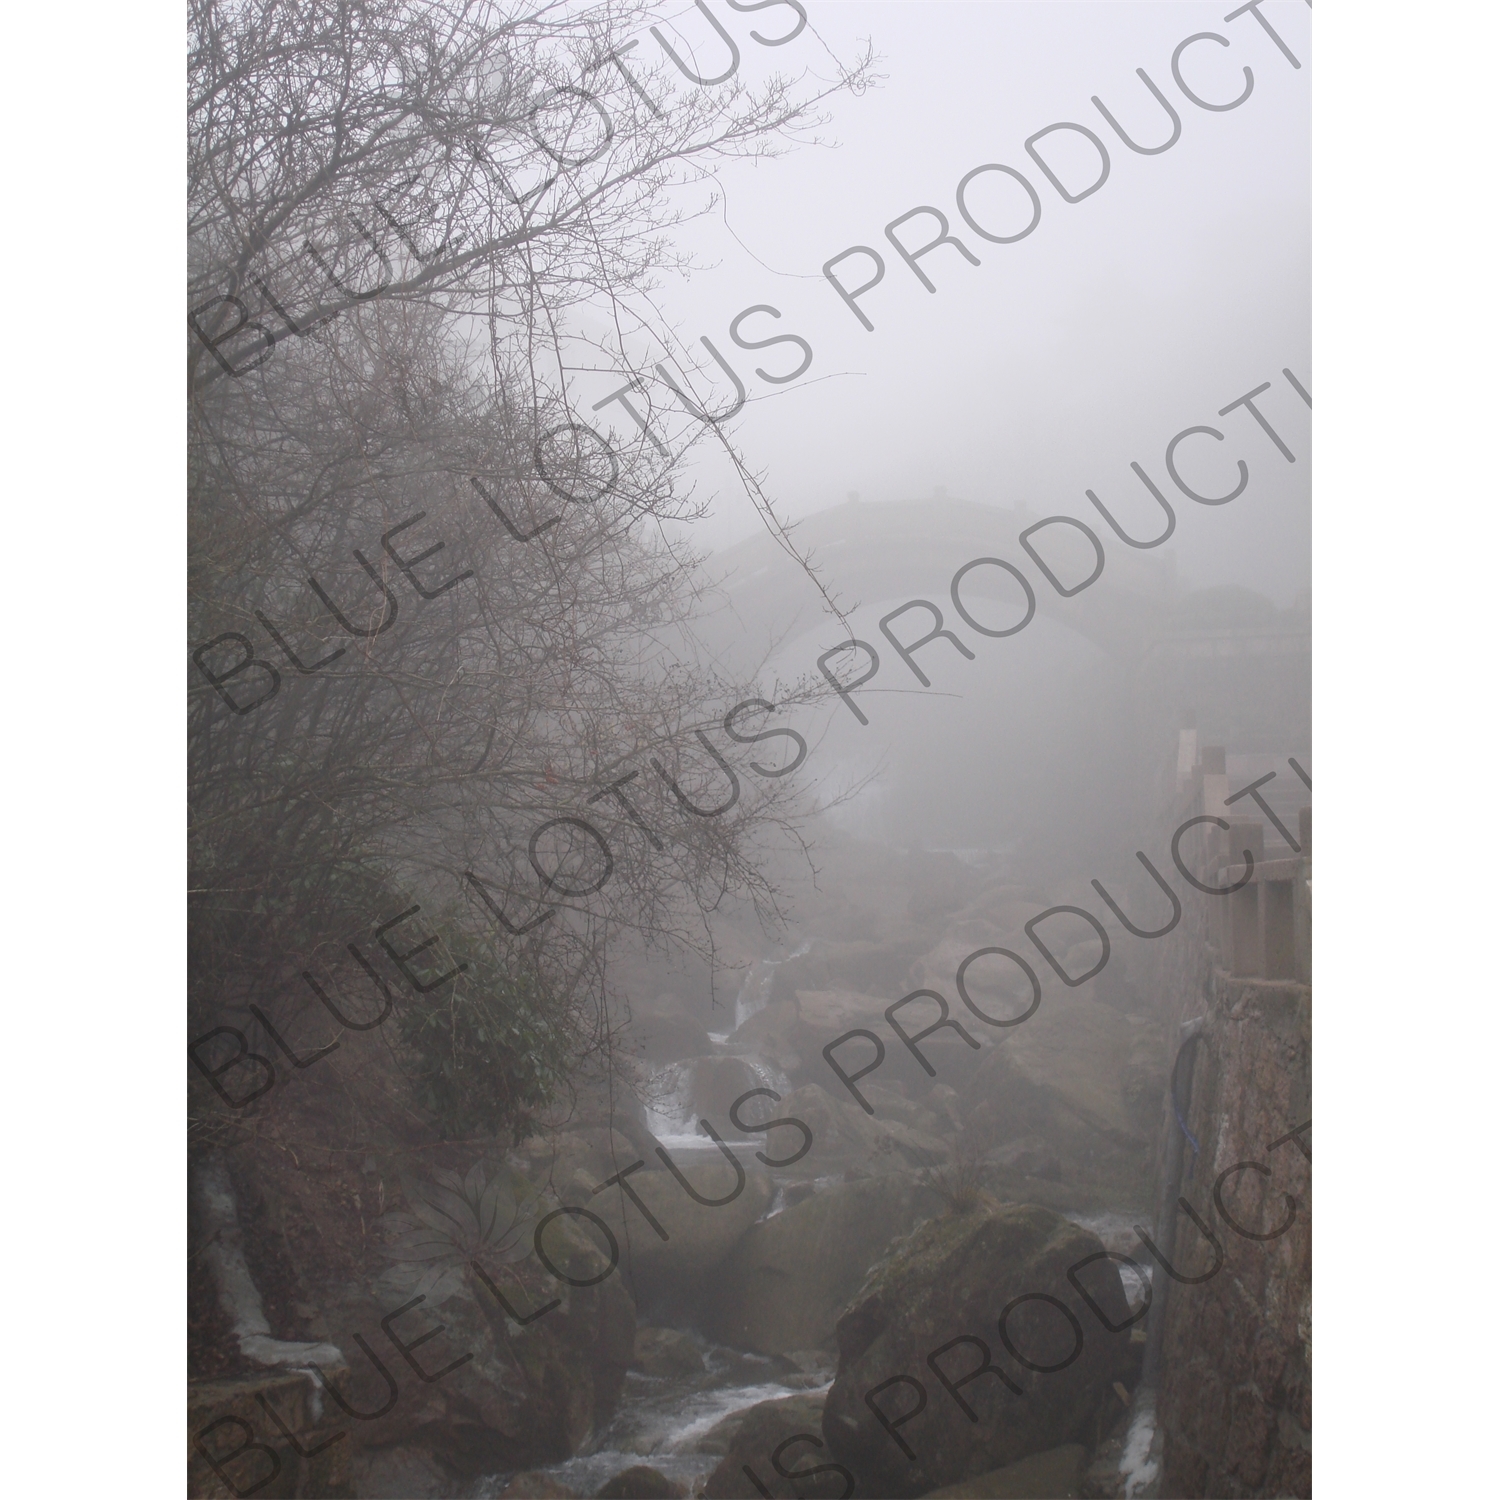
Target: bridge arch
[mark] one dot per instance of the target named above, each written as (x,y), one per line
(912,549)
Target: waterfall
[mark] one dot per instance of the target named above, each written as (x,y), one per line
(668,1104)
(755,992)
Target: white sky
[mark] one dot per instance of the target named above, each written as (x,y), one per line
(1176,288)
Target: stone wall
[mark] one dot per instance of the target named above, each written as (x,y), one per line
(272,1434)
(1234,1405)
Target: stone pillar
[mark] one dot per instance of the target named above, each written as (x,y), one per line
(1302,900)
(1278,948)
(1246,960)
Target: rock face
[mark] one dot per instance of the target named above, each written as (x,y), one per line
(699,1235)
(953,1279)
(664,1032)
(537,1486)
(642,1483)
(845,1136)
(1054,1475)
(404,1473)
(1235,1408)
(873,968)
(525,1395)
(758,1435)
(714,1084)
(225,1415)
(788,1281)
(667,1352)
(1071,1096)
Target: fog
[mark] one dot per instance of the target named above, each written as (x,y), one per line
(1045,370)
(846,684)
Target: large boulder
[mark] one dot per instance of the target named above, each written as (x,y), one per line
(752,1438)
(1055,1475)
(873,968)
(535,1486)
(306,1457)
(667,1352)
(953,1278)
(794,1028)
(846,1138)
(699,1235)
(788,1281)
(403,1473)
(1080,1051)
(641,1482)
(713,1085)
(1084,1082)
(775,1033)
(505,1395)
(825,1015)
(666,1036)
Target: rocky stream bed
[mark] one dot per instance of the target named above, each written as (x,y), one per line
(723,1292)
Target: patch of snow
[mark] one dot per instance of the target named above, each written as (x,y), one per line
(238,1294)
(1137,1468)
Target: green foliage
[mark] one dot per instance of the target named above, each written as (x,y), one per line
(486,1050)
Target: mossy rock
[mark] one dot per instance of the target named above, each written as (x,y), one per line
(755,1438)
(942,1295)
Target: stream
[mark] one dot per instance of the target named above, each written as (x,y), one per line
(668,1422)
(680,1423)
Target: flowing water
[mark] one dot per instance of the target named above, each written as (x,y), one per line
(668,1422)
(676,1423)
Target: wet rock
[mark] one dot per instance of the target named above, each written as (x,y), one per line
(826,1014)
(642,1483)
(667,1352)
(524,1395)
(1084,1079)
(891,1105)
(774,1032)
(668,1039)
(699,1235)
(811,1362)
(537,1486)
(755,1438)
(795,1027)
(1078,1051)
(1054,1475)
(402,1473)
(217,1408)
(997,986)
(714,1083)
(872,968)
(844,1134)
(954,1277)
(789,1280)
(1029,1155)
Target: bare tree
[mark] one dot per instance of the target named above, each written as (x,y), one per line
(441,634)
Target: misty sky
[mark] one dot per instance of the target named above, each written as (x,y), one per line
(1045,370)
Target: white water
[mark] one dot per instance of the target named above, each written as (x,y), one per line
(670,1114)
(664,1421)
(1117,1232)
(1137,1468)
(755,990)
